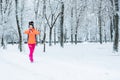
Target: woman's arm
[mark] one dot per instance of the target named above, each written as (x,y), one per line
(26,32)
(37,32)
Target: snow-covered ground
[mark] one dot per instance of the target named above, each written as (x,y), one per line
(85,61)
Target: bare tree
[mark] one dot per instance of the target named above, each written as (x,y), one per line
(51,22)
(111,12)
(111,28)
(36,9)
(61,25)
(100,21)
(116,25)
(18,25)
(5,10)
(22,13)
(37,15)
(71,22)
(79,14)
(55,34)
(44,12)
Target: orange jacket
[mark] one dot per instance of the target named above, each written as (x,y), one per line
(31,33)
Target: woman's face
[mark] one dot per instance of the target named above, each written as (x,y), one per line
(31,27)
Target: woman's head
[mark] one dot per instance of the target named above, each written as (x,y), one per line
(31,24)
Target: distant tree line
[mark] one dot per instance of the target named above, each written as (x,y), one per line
(60,21)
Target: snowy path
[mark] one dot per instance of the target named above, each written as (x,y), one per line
(82,62)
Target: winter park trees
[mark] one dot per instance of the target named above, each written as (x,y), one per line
(116,24)
(5,11)
(71,21)
(18,25)
(53,18)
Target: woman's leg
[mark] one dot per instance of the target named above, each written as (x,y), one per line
(31,48)
(30,54)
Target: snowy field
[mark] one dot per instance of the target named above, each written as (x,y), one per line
(85,61)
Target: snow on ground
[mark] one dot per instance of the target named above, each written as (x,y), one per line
(85,61)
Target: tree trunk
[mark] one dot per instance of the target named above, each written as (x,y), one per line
(54,36)
(105,36)
(61,25)
(100,33)
(50,37)
(2,41)
(100,22)
(1,13)
(76,30)
(72,25)
(44,38)
(116,26)
(111,29)
(18,26)
(116,34)
(44,42)
(76,37)
(65,36)
(44,13)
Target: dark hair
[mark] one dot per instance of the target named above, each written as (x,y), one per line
(31,23)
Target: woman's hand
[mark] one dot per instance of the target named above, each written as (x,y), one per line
(30,30)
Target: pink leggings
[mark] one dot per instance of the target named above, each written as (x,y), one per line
(31,48)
